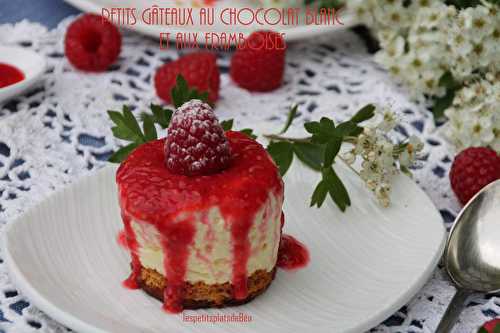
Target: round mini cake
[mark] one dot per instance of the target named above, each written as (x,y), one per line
(202,240)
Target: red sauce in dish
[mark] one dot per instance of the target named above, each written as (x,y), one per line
(9,75)
(292,254)
(150,193)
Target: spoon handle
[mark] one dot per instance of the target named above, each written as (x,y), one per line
(453,311)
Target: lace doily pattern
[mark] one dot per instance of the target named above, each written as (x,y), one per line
(60,131)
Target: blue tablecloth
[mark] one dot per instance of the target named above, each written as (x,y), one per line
(47,12)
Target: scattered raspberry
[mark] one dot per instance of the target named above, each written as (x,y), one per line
(196,144)
(199,69)
(260,64)
(92,43)
(473,169)
(491,325)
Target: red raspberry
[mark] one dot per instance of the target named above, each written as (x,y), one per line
(196,144)
(92,43)
(199,69)
(260,64)
(473,169)
(491,325)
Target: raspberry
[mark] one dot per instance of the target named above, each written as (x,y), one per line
(196,144)
(260,64)
(491,325)
(198,68)
(473,169)
(92,43)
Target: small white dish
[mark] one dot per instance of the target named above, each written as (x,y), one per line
(30,63)
(365,263)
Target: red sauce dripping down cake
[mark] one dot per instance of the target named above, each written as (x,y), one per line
(201,240)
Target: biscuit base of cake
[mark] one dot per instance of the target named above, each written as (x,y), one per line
(202,295)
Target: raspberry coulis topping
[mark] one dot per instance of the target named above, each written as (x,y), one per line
(151,193)
(292,254)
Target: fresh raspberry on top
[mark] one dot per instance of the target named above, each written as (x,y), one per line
(196,144)
(92,43)
(259,65)
(473,169)
(491,325)
(200,71)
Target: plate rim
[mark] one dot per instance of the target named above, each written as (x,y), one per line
(75,323)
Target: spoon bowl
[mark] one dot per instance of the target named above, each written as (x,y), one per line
(472,254)
(473,251)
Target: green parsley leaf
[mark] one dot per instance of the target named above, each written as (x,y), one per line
(291,116)
(331,151)
(319,194)
(124,133)
(122,153)
(282,154)
(131,122)
(181,93)
(312,127)
(249,132)
(161,116)
(482,330)
(365,113)
(227,125)
(336,189)
(322,131)
(149,129)
(348,128)
(496,329)
(310,154)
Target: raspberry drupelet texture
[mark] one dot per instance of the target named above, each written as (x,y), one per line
(473,169)
(199,69)
(92,43)
(196,144)
(260,64)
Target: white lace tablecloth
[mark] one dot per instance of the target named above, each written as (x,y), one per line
(60,131)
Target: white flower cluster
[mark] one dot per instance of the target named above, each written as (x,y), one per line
(421,40)
(381,159)
(474,40)
(474,118)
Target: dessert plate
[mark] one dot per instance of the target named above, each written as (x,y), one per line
(365,263)
(292,32)
(31,64)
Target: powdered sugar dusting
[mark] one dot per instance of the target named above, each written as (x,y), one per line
(196,143)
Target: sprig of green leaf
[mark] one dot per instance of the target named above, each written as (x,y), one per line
(127,128)
(291,116)
(160,115)
(319,152)
(182,93)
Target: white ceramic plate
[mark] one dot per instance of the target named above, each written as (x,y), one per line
(365,263)
(30,63)
(292,32)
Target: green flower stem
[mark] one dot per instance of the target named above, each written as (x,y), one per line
(276,137)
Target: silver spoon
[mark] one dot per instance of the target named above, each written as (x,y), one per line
(472,255)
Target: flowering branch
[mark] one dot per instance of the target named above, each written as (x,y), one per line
(380,158)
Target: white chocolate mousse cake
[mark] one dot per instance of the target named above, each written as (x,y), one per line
(202,211)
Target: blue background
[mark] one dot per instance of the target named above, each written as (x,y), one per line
(47,12)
